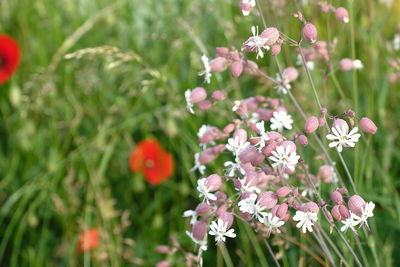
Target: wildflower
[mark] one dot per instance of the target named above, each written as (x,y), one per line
(281,120)
(248,184)
(311,125)
(194,96)
(231,167)
(207,69)
(9,57)
(305,220)
(284,85)
(263,135)
(368,126)
(198,165)
(255,43)
(236,105)
(246,6)
(341,133)
(149,158)
(284,158)
(357,64)
(361,209)
(88,240)
(396,42)
(207,185)
(252,207)
(349,223)
(367,212)
(310,32)
(236,145)
(273,222)
(189,105)
(219,229)
(192,214)
(342,14)
(202,243)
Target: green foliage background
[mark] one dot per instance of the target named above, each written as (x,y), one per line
(67,126)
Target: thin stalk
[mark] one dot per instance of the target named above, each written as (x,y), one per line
(322,244)
(360,248)
(225,254)
(347,172)
(271,252)
(337,251)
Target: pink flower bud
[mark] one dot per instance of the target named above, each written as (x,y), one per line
(275,49)
(310,33)
(163,249)
(269,148)
(323,111)
(163,264)
(343,191)
(344,212)
(248,154)
(309,206)
(290,144)
(290,74)
(229,128)
(219,64)
(321,121)
(213,182)
(203,209)
(283,191)
(267,170)
(274,137)
(265,114)
(207,156)
(236,69)
(335,213)
(325,172)
(271,34)
(342,14)
(282,210)
(303,140)
(197,95)
(311,125)
(205,105)
(324,7)
(356,204)
(257,160)
(337,197)
(368,125)
(221,198)
(346,64)
(250,67)
(219,149)
(245,7)
(200,230)
(237,184)
(222,51)
(221,209)
(241,134)
(296,205)
(274,103)
(342,124)
(268,199)
(218,95)
(227,218)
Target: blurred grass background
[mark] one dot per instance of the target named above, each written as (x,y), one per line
(68,125)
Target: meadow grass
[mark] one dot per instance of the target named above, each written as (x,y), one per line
(68,124)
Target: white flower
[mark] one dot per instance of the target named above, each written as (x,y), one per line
(396,42)
(202,130)
(281,120)
(231,167)
(252,2)
(236,145)
(220,231)
(250,206)
(273,222)
(207,69)
(255,117)
(236,105)
(258,42)
(198,165)
(310,64)
(263,135)
(202,243)
(247,187)
(366,213)
(343,138)
(191,213)
(357,64)
(284,158)
(189,105)
(306,220)
(349,223)
(286,85)
(204,190)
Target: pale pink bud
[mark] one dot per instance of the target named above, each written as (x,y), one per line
(257,159)
(321,121)
(265,114)
(163,249)
(237,184)
(248,154)
(356,204)
(229,128)
(204,105)
(236,69)
(271,34)
(344,212)
(311,125)
(296,205)
(309,206)
(290,144)
(368,125)
(213,182)
(275,49)
(219,64)
(323,111)
(324,7)
(250,67)
(282,210)
(197,95)
(235,56)
(346,64)
(222,51)
(163,264)
(290,74)
(210,135)
(303,140)
(342,14)
(251,104)
(219,149)
(207,156)
(218,95)
(283,191)
(267,170)
(274,136)
(269,148)
(221,197)
(245,7)
(343,191)
(203,209)
(221,209)
(310,33)
(335,213)
(350,113)
(342,124)
(337,197)
(227,218)
(268,199)
(325,172)
(274,103)
(241,134)
(200,230)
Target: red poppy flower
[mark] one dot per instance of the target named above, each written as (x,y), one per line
(149,158)
(9,57)
(88,240)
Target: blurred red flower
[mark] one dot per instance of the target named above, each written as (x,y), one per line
(149,158)
(9,57)
(88,240)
